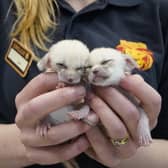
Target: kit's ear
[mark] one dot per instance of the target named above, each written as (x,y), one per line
(130,63)
(44,63)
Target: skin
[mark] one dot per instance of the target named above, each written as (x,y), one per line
(104,105)
(11,147)
(33,103)
(80,4)
(149,157)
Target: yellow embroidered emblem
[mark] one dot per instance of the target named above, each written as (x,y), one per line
(138,51)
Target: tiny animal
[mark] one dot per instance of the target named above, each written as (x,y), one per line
(106,67)
(67,58)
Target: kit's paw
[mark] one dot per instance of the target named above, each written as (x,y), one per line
(80,114)
(144,133)
(145,138)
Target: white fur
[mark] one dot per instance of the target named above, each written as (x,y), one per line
(111,73)
(72,53)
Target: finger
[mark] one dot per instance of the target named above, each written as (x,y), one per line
(103,146)
(150,99)
(90,152)
(57,154)
(103,149)
(55,135)
(123,107)
(39,107)
(38,85)
(127,150)
(109,119)
(113,125)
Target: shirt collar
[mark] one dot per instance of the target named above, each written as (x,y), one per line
(125,3)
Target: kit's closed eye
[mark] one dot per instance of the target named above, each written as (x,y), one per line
(79,68)
(88,67)
(106,61)
(61,65)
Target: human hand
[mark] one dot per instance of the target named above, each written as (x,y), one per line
(120,118)
(37,99)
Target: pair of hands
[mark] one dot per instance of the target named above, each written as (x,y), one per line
(117,114)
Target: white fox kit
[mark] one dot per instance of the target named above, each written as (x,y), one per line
(107,66)
(67,58)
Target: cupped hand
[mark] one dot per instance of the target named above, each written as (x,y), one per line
(120,118)
(34,102)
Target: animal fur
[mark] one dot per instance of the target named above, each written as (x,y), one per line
(106,67)
(67,58)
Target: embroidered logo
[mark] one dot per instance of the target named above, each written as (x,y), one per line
(139,52)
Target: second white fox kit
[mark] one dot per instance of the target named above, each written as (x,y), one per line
(106,67)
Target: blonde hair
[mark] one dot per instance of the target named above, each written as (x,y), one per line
(34,19)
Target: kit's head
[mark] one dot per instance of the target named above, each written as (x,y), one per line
(68,58)
(107,66)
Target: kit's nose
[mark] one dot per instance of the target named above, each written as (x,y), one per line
(70,80)
(95,71)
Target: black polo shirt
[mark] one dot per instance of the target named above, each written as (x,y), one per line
(105,23)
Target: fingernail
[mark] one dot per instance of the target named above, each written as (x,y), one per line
(92,119)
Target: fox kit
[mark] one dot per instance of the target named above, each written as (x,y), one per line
(106,67)
(67,58)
